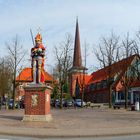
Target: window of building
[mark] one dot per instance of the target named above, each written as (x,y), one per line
(121,96)
(98,85)
(104,84)
(92,86)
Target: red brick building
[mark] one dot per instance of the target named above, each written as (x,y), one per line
(96,84)
(25,77)
(96,89)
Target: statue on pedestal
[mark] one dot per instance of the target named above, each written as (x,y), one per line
(37,94)
(37,54)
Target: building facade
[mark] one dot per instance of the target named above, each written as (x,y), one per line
(121,75)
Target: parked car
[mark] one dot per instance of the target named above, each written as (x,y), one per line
(78,103)
(11,104)
(57,103)
(69,103)
(120,104)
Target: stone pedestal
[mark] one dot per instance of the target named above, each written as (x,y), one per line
(37,103)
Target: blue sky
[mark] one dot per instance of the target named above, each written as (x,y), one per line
(57,17)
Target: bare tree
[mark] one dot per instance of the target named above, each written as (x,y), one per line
(137,43)
(5,79)
(137,51)
(129,48)
(64,61)
(16,56)
(80,81)
(107,54)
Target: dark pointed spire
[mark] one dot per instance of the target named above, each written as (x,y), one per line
(77,59)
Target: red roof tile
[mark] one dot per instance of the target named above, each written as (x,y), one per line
(115,68)
(26,76)
(85,79)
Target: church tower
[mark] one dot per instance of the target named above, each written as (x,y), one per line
(77,59)
(77,69)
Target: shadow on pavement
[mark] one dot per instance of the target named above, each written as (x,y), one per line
(11,117)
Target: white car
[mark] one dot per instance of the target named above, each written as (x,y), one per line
(78,103)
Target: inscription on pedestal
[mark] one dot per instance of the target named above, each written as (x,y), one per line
(34,101)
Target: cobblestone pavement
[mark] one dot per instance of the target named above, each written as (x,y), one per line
(73,122)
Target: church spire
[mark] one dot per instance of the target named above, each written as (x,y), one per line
(77,59)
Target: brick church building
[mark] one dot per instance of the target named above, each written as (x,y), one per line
(94,87)
(77,72)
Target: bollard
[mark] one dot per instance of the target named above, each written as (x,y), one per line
(137,106)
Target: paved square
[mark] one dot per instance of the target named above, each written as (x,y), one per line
(73,122)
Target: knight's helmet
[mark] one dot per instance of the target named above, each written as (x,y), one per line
(38,38)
